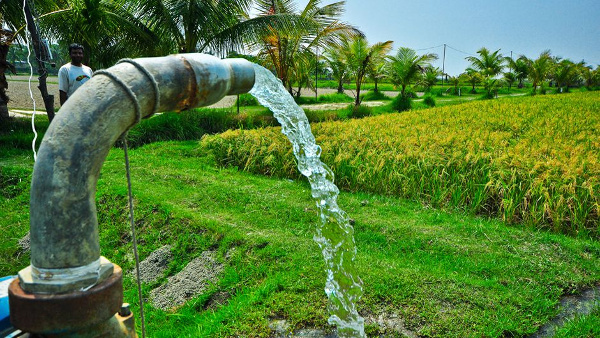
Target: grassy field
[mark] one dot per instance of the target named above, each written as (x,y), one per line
(429,271)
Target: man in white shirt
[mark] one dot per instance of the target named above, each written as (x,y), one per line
(74,74)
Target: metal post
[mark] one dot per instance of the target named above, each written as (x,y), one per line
(444,66)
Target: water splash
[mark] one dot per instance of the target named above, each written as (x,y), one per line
(335,235)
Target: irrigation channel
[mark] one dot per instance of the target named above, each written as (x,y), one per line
(335,235)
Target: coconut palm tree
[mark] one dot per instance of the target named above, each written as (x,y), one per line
(454,81)
(488,63)
(360,56)
(429,78)
(509,79)
(107,29)
(377,69)
(336,60)
(318,27)
(590,76)
(566,73)
(539,69)
(406,66)
(519,68)
(473,77)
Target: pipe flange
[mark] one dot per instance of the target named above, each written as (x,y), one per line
(47,281)
(64,313)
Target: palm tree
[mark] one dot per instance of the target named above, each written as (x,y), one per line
(377,69)
(429,78)
(565,74)
(360,56)
(406,66)
(454,81)
(491,86)
(519,68)
(318,27)
(336,60)
(590,76)
(489,64)
(473,77)
(510,78)
(107,29)
(539,69)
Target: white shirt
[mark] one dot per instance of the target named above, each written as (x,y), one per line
(71,77)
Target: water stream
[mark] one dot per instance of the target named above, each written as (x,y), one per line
(334,235)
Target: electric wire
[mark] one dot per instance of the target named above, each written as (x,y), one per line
(416,50)
(133,237)
(35,134)
(460,51)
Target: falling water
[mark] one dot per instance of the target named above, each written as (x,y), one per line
(334,235)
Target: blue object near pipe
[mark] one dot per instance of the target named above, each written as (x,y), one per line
(5,325)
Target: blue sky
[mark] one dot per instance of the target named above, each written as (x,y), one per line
(569,28)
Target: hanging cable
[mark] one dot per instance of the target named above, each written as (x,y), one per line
(460,51)
(133,237)
(416,50)
(35,134)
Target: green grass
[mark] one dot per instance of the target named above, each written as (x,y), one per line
(443,274)
(582,326)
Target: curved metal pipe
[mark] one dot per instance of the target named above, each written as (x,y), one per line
(65,250)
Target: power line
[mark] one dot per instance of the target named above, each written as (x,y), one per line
(460,51)
(429,48)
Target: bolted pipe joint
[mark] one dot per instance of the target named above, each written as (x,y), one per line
(65,250)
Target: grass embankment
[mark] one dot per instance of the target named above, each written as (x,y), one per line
(533,160)
(432,272)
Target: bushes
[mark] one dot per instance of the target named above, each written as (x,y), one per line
(375,96)
(401,103)
(429,100)
(360,111)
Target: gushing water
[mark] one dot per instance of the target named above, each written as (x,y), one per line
(334,235)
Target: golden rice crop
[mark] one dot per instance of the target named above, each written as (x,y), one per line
(533,160)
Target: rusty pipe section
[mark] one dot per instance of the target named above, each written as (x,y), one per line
(65,250)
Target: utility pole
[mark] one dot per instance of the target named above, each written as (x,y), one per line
(444,66)
(42,72)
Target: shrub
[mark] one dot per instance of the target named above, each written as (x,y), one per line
(401,103)
(360,111)
(429,100)
(410,93)
(375,96)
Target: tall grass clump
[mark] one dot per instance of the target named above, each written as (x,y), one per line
(533,160)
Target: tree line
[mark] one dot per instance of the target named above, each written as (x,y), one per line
(293,42)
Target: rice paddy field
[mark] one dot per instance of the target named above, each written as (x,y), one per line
(531,160)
